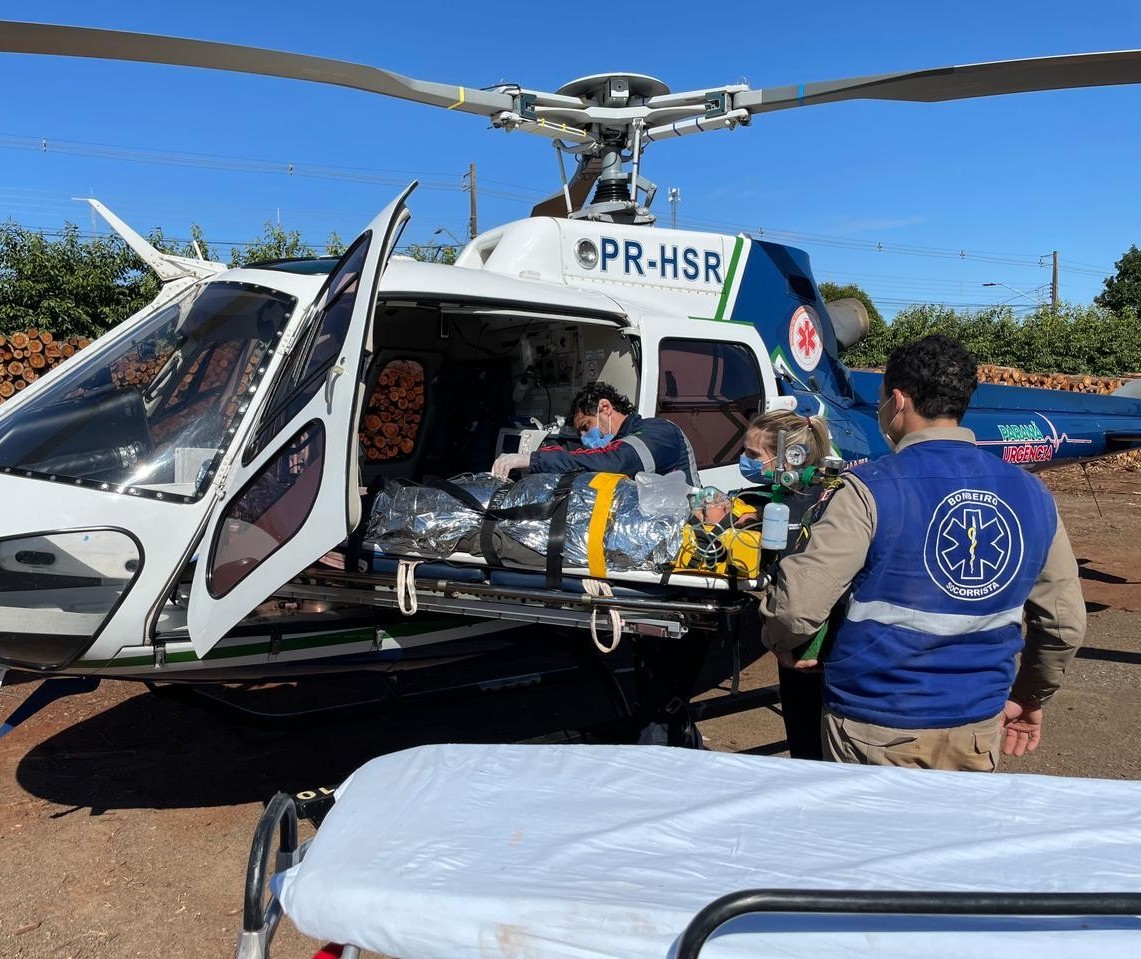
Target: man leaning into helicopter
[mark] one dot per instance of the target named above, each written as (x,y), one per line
(943,551)
(615,439)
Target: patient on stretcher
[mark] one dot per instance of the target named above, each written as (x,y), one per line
(599,521)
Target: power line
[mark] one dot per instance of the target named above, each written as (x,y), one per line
(453,182)
(287,168)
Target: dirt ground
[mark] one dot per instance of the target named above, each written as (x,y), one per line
(126,817)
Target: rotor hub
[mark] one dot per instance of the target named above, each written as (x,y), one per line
(614,89)
(615,198)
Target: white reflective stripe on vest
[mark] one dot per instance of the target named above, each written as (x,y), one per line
(937,624)
(639,446)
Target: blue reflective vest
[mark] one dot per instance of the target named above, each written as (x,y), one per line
(935,616)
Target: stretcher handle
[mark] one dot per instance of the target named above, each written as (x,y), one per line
(735,904)
(279,811)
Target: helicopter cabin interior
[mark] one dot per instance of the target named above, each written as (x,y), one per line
(451,386)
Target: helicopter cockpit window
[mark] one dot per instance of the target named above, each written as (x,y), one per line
(317,348)
(151,413)
(711,390)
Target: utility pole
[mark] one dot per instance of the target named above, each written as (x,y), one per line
(674,197)
(470,176)
(1054,287)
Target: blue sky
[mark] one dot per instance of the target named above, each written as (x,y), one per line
(914,202)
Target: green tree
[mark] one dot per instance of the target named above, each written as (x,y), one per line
(1123,289)
(334,246)
(1072,339)
(275,243)
(432,253)
(70,286)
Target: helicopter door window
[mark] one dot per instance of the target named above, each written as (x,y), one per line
(269,511)
(317,348)
(711,390)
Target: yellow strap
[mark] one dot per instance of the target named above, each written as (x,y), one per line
(605,484)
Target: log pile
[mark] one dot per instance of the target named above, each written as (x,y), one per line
(1081,383)
(394,413)
(26,356)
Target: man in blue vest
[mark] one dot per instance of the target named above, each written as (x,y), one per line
(943,551)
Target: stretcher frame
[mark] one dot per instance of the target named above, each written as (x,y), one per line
(649,604)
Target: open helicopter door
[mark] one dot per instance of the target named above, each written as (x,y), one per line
(291,494)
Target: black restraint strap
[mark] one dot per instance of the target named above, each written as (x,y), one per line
(459,493)
(487,526)
(529,511)
(556,538)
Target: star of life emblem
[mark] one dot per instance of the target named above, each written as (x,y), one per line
(974,545)
(804,338)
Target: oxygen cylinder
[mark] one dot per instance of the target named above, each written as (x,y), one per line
(774,526)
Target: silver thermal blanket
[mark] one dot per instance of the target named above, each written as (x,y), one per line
(436,521)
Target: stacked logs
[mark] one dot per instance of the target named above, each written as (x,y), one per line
(1081,383)
(394,413)
(132,371)
(26,356)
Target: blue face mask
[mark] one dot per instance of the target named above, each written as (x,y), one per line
(753,470)
(595,439)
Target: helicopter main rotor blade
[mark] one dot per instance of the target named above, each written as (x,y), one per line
(957,83)
(19,37)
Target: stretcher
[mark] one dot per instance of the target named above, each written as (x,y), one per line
(646,569)
(588,852)
(636,601)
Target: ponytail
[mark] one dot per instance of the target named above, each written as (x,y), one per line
(809,431)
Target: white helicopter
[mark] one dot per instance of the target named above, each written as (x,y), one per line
(186,474)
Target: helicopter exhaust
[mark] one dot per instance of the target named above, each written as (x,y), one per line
(850,320)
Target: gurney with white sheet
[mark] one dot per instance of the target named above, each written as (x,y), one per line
(643,852)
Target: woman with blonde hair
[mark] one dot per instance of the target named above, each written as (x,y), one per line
(760,449)
(800,690)
(670,671)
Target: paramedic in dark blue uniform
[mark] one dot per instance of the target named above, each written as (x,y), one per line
(946,550)
(615,439)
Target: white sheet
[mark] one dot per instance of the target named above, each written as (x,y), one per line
(582,852)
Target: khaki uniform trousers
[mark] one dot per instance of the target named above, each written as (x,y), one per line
(971,748)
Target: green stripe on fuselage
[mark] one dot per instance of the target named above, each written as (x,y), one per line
(730,276)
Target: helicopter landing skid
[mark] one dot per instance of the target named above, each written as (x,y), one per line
(329,698)
(48,692)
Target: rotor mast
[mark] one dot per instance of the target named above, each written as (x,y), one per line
(617,143)
(607,120)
